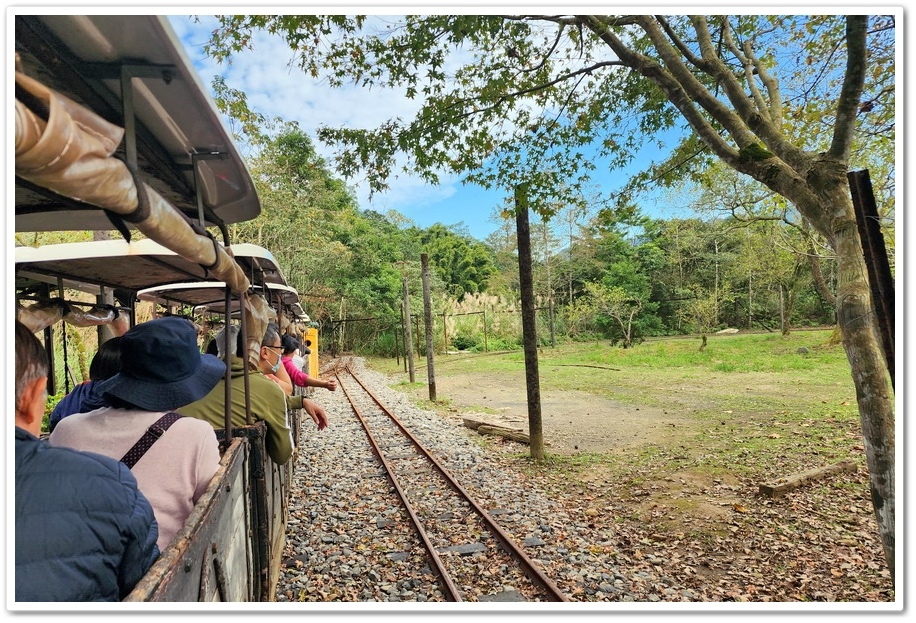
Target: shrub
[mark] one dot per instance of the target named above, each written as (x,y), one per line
(465,342)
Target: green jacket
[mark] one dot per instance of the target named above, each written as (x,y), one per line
(268,404)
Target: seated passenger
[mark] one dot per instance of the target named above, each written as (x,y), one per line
(268,402)
(290,345)
(271,347)
(161,371)
(271,361)
(85,397)
(84,532)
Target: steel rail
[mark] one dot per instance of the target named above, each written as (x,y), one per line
(453,592)
(534,574)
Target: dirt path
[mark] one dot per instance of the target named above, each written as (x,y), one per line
(572,421)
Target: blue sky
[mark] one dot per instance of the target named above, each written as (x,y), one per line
(276,89)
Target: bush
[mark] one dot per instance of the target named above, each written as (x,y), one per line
(465,342)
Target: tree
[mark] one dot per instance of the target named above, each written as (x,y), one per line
(789,101)
(463,264)
(617,304)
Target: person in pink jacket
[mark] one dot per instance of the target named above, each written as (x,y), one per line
(290,345)
(162,369)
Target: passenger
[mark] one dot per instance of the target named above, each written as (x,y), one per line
(300,354)
(212,348)
(290,345)
(85,397)
(272,351)
(161,371)
(271,345)
(84,532)
(268,403)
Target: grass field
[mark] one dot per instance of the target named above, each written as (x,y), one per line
(788,401)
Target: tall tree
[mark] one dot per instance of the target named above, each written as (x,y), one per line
(785,100)
(463,264)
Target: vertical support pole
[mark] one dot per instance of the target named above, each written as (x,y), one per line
(52,369)
(529,326)
(444,331)
(879,271)
(403,336)
(130,122)
(229,350)
(63,339)
(408,348)
(428,317)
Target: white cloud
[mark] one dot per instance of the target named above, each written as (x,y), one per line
(275,87)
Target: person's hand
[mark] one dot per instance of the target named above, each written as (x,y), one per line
(316,412)
(331,385)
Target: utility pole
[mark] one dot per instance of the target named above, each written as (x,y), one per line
(428,319)
(529,325)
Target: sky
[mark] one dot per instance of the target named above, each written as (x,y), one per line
(276,89)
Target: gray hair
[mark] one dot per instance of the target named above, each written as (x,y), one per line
(31,359)
(271,335)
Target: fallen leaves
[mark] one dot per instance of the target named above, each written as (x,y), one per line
(813,545)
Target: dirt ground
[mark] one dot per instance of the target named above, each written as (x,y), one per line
(572,421)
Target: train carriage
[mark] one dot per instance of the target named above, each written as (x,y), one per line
(114,131)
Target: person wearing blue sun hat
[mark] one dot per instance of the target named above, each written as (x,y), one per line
(172,457)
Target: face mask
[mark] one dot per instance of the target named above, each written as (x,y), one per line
(275,367)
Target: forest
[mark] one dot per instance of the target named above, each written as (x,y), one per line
(599,275)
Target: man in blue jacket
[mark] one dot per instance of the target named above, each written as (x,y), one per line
(84,532)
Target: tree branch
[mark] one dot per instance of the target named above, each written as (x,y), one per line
(853,85)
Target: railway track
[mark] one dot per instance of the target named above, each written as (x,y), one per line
(450,546)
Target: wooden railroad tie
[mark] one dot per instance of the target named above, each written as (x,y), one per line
(790,483)
(483,428)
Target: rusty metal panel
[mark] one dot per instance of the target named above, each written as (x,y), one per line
(209,558)
(278,507)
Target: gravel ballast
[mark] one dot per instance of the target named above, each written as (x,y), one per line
(345,542)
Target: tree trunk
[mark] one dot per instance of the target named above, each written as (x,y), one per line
(814,263)
(782,311)
(870,376)
(529,327)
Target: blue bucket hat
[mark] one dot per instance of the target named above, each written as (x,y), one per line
(162,367)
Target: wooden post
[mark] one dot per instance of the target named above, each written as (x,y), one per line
(340,335)
(428,318)
(403,336)
(444,332)
(408,339)
(529,326)
(875,251)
